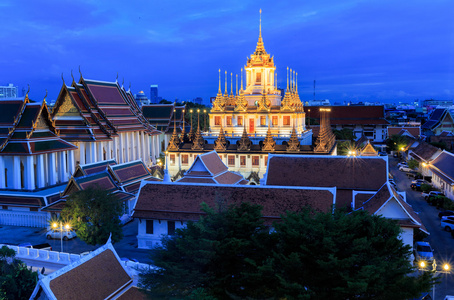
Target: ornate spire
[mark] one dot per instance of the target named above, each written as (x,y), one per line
(191,131)
(293,144)
(220,143)
(260,49)
(225,91)
(326,138)
(268,143)
(241,79)
(219,91)
(231,101)
(183,137)
(198,142)
(263,104)
(244,144)
(174,140)
(218,104)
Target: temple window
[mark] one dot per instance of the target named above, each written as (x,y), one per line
(171,227)
(240,121)
(258,77)
(242,161)
(149,226)
(262,121)
(184,159)
(229,120)
(231,160)
(172,159)
(286,120)
(255,160)
(275,121)
(217,120)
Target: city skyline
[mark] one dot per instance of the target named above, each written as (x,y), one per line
(356,51)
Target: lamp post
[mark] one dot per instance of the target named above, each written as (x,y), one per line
(67,227)
(206,116)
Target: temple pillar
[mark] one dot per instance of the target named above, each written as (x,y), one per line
(71,163)
(2,173)
(52,170)
(127,143)
(92,152)
(144,148)
(108,150)
(100,151)
(62,175)
(16,172)
(40,177)
(29,173)
(82,153)
(139,152)
(121,156)
(133,144)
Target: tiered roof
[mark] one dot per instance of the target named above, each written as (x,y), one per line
(129,175)
(89,169)
(162,116)
(425,152)
(93,110)
(435,119)
(443,166)
(26,129)
(410,131)
(209,168)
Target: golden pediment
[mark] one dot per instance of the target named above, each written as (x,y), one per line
(67,108)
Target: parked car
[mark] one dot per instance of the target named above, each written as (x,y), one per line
(57,234)
(431,193)
(447,225)
(441,214)
(402,164)
(405,169)
(421,181)
(393,183)
(415,186)
(424,255)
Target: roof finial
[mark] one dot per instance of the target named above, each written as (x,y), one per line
(116,79)
(45,96)
(62,78)
(260,27)
(26,95)
(123,82)
(287,79)
(72,76)
(129,86)
(80,72)
(220,81)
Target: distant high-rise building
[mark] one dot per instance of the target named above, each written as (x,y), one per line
(197,100)
(154,94)
(9,91)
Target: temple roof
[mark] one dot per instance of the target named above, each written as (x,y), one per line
(436,117)
(444,164)
(424,152)
(412,131)
(97,110)
(162,116)
(181,201)
(350,115)
(88,169)
(26,129)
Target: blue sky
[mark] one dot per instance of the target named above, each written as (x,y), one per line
(355,50)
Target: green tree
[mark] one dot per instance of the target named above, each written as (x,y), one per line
(344,256)
(94,214)
(396,142)
(225,253)
(16,281)
(345,134)
(412,164)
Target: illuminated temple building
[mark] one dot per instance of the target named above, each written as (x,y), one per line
(252,121)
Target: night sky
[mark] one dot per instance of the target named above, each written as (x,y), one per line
(383,50)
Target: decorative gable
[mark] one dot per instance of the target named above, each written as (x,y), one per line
(67,108)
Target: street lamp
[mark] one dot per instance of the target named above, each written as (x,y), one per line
(67,227)
(205,125)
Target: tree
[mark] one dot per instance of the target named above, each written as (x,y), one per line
(16,281)
(218,256)
(412,164)
(396,142)
(344,256)
(345,134)
(94,214)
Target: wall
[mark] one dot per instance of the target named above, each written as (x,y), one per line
(24,218)
(148,241)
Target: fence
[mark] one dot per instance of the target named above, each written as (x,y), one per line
(23,218)
(64,258)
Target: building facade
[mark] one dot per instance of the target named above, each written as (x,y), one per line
(9,91)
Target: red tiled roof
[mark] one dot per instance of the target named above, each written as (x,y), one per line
(351,115)
(213,163)
(414,131)
(228,178)
(176,201)
(425,151)
(99,277)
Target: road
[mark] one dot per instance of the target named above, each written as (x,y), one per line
(440,240)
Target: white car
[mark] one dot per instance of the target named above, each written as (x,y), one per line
(405,169)
(402,164)
(447,224)
(57,234)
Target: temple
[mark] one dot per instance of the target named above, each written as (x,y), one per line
(252,121)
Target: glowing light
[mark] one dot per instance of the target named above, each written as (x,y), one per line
(55,225)
(422,264)
(402,148)
(67,227)
(446,267)
(424,165)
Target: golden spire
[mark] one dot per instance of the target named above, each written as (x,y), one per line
(231,83)
(293,144)
(287,79)
(183,136)
(174,140)
(244,144)
(291,82)
(220,143)
(236,93)
(198,141)
(226,83)
(260,49)
(268,143)
(296,89)
(220,81)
